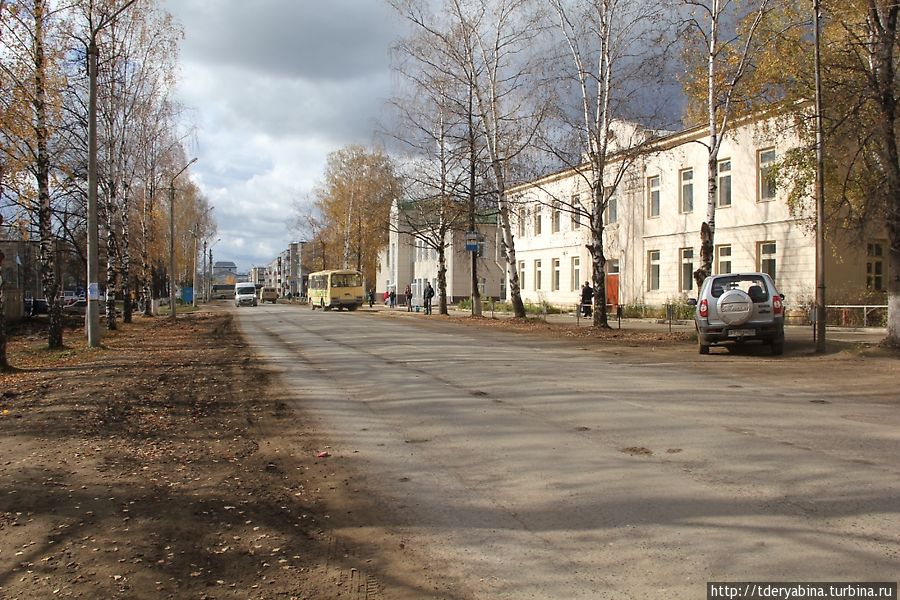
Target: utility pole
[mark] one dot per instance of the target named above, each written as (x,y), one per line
(820,188)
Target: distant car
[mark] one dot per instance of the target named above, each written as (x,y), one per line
(245,294)
(77,307)
(739,307)
(268,294)
(36,306)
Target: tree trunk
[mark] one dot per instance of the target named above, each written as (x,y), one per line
(442,280)
(598,258)
(473,164)
(111,258)
(126,260)
(708,228)
(883,25)
(42,173)
(4,364)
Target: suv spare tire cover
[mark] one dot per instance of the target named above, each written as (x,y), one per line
(735,307)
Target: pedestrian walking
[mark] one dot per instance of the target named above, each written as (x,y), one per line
(587,299)
(408,294)
(428,294)
(393,298)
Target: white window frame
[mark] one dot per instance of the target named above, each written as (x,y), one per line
(653,270)
(576,273)
(555,217)
(765,184)
(538,272)
(686,269)
(723,257)
(766,252)
(576,213)
(557,275)
(612,210)
(654,199)
(686,190)
(723,184)
(538,225)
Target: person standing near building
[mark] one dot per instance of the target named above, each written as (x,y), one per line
(393,298)
(408,294)
(587,299)
(427,295)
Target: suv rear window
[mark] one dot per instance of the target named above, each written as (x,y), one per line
(754,286)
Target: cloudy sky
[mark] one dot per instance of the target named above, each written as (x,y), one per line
(273,86)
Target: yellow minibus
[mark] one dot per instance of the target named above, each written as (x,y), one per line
(335,289)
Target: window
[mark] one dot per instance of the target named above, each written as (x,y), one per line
(576,273)
(723,259)
(612,211)
(521,274)
(875,266)
(653,270)
(537,275)
(686,282)
(612,267)
(576,212)
(765,252)
(556,275)
(687,190)
(653,196)
(723,191)
(521,222)
(766,184)
(537,220)
(554,217)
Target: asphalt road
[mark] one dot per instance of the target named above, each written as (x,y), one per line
(530,468)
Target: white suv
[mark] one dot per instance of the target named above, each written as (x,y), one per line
(739,307)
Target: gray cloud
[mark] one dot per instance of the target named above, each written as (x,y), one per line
(321,40)
(275,85)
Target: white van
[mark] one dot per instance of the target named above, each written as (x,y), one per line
(245,294)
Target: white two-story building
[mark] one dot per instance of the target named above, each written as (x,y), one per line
(652,237)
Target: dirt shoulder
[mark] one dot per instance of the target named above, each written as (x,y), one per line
(163,465)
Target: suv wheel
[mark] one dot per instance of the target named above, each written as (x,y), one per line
(777,348)
(704,349)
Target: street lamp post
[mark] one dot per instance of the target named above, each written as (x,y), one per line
(172,315)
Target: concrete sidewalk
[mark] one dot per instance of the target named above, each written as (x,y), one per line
(797,333)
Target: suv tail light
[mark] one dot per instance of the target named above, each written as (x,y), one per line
(777,305)
(704,308)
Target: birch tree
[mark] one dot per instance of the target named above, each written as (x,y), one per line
(616,51)
(32,63)
(491,40)
(872,47)
(436,125)
(728,54)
